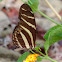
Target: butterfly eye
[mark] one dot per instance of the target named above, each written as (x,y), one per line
(9,25)
(5,28)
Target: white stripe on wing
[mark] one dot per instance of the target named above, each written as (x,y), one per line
(33,26)
(25,40)
(30,34)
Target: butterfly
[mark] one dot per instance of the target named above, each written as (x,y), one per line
(24,34)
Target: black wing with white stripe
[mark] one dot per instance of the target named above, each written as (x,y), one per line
(24,34)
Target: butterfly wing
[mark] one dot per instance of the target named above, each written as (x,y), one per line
(24,34)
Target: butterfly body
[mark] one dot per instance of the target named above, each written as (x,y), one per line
(24,34)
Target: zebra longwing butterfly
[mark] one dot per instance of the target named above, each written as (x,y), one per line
(24,34)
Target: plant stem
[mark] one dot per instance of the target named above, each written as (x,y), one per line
(33,52)
(59,17)
(39,52)
(47,17)
(51,59)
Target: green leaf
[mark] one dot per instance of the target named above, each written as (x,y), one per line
(39,58)
(23,57)
(55,39)
(56,31)
(50,30)
(46,46)
(55,35)
(33,4)
(59,34)
(52,37)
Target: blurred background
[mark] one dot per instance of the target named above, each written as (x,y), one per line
(9,11)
